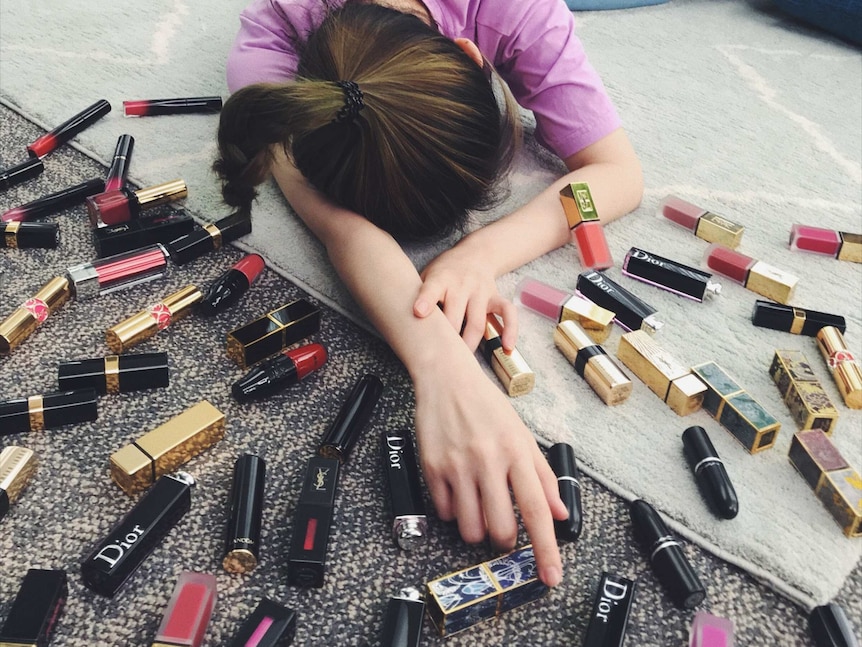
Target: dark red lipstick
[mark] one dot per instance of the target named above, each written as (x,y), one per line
(46,205)
(49,142)
(228,288)
(122,205)
(22,172)
(179,106)
(279,372)
(15,235)
(120,164)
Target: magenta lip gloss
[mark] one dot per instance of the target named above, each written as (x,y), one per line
(270,625)
(26,170)
(106,275)
(127,236)
(228,288)
(17,466)
(178,106)
(49,142)
(283,370)
(36,608)
(704,224)
(46,205)
(561,458)
(188,612)
(119,169)
(817,240)
(708,630)
(611,608)
(669,275)
(757,276)
(48,411)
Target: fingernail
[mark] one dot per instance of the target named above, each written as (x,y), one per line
(552,576)
(421,308)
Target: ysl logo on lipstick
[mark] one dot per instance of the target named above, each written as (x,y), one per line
(320,478)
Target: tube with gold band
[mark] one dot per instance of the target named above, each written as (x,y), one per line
(115,373)
(208,238)
(39,412)
(32,313)
(15,235)
(242,538)
(592,363)
(157,317)
(17,465)
(798,321)
(510,368)
(844,366)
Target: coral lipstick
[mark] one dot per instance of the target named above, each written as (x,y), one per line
(282,371)
(22,172)
(189,611)
(228,288)
(46,205)
(180,106)
(122,205)
(837,244)
(587,232)
(120,164)
(49,142)
(757,276)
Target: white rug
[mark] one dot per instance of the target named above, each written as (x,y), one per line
(729,105)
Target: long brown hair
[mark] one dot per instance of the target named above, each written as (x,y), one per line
(427,147)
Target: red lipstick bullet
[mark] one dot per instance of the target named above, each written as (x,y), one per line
(280,372)
(228,288)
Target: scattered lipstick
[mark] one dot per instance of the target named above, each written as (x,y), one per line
(280,372)
(710,473)
(757,276)
(710,631)
(610,615)
(830,627)
(179,106)
(561,457)
(39,412)
(115,373)
(33,313)
(704,224)
(17,466)
(21,235)
(558,306)
(19,173)
(410,524)
(510,367)
(127,236)
(242,539)
(118,272)
(355,413)
(228,288)
(402,624)
(270,625)
(669,275)
(122,205)
(586,228)
(49,142)
(147,323)
(630,311)
(119,168)
(208,238)
(837,244)
(845,369)
(188,612)
(54,202)
(798,321)
(36,608)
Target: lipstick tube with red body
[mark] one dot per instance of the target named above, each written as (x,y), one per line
(51,141)
(704,224)
(21,235)
(757,276)
(33,313)
(228,288)
(280,372)
(26,170)
(36,608)
(208,238)
(46,205)
(270,625)
(586,228)
(189,611)
(119,168)
(179,106)
(118,272)
(837,244)
(122,205)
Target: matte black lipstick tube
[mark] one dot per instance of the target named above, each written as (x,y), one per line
(630,311)
(126,236)
(610,615)
(54,202)
(669,275)
(47,411)
(830,627)
(178,106)
(119,169)
(561,457)
(710,473)
(208,238)
(777,316)
(115,373)
(355,413)
(15,235)
(410,524)
(19,173)
(228,288)
(36,608)
(666,556)
(270,625)
(132,540)
(402,624)
(49,142)
(242,538)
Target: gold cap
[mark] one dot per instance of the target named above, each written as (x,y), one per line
(717,229)
(148,322)
(17,465)
(239,561)
(30,314)
(510,368)
(215,234)
(154,196)
(593,318)
(771,282)
(10,233)
(600,371)
(578,204)
(845,368)
(851,247)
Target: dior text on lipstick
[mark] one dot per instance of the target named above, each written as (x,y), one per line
(668,560)
(130,542)
(119,168)
(710,473)
(837,244)
(40,412)
(36,608)
(704,224)
(21,235)
(611,608)
(561,458)
(830,627)
(797,321)
(188,612)
(592,363)
(558,306)
(208,238)
(122,205)
(757,276)
(228,288)
(270,625)
(586,228)
(148,322)
(115,373)
(510,367)
(118,272)
(178,106)
(127,236)
(242,537)
(402,624)
(630,312)
(26,170)
(354,414)
(49,142)
(33,313)
(845,369)
(54,202)
(17,466)
(708,630)
(669,275)
(276,374)
(410,525)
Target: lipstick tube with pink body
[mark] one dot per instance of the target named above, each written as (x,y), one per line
(704,224)
(586,228)
(757,276)
(118,272)
(275,374)
(189,611)
(837,244)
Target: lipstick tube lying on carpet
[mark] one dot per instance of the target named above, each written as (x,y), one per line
(561,458)
(809,404)
(122,205)
(273,332)
(410,524)
(17,466)
(592,363)
(189,610)
(51,141)
(115,373)
(118,272)
(704,224)
(402,623)
(26,170)
(630,311)
(119,169)
(559,306)
(757,276)
(344,431)
(228,288)
(830,627)
(798,321)
(708,630)
(710,473)
(610,615)
(817,240)
(135,234)
(242,538)
(32,313)
(845,369)
(278,373)
(54,202)
(147,323)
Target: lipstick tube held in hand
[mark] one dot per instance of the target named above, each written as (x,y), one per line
(630,311)
(354,414)
(510,368)
(704,224)
(710,631)
(188,612)
(410,525)
(54,202)
(228,288)
(28,235)
(757,276)
(669,275)
(586,228)
(710,473)
(17,466)
(278,373)
(559,305)
(122,205)
(208,238)
(33,313)
(845,369)
(148,322)
(26,170)
(119,168)
(561,458)
(51,141)
(242,538)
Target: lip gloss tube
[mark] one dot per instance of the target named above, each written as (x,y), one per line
(135,536)
(592,363)
(21,235)
(355,413)
(797,321)
(757,276)
(402,624)
(228,288)
(119,168)
(49,142)
(179,106)
(630,311)
(668,560)
(410,524)
(242,538)
(709,473)
(147,323)
(54,202)
(558,306)
(17,466)
(704,224)
(33,313)
(122,205)
(48,411)
(669,275)
(585,226)
(830,627)
(837,244)
(278,373)
(188,612)
(510,368)
(115,373)
(561,458)
(610,615)
(36,608)
(710,631)
(270,625)
(26,170)
(845,369)
(111,240)
(118,272)
(208,238)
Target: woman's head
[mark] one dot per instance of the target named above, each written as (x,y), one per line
(427,145)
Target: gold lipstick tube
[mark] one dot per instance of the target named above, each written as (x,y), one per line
(17,466)
(164,449)
(594,319)
(511,368)
(845,369)
(148,322)
(851,247)
(155,196)
(592,363)
(30,314)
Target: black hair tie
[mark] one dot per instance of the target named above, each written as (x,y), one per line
(353,102)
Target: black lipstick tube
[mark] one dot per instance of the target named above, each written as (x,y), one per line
(242,538)
(54,202)
(830,627)
(561,457)
(15,235)
(668,560)
(410,524)
(710,473)
(669,275)
(610,615)
(799,321)
(115,373)
(630,311)
(26,170)
(126,236)
(49,142)
(208,238)
(132,540)
(402,624)
(178,106)
(36,608)
(47,411)
(119,169)
(355,413)
(270,625)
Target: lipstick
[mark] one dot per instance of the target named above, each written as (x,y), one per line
(33,313)
(278,373)
(208,238)
(355,413)
(830,627)
(561,457)
(147,323)
(270,625)
(135,536)
(178,106)
(188,612)
(666,556)
(48,411)
(111,240)
(36,608)
(26,170)
(228,288)
(49,142)
(17,466)
(845,369)
(115,373)
(54,202)
(167,447)
(704,224)
(402,624)
(119,168)
(669,275)
(798,321)
(837,244)
(312,519)
(809,404)
(15,235)
(709,473)
(559,306)
(710,631)
(610,615)
(757,276)
(272,333)
(592,363)
(630,312)
(510,367)
(118,272)
(242,538)
(585,226)
(410,524)
(122,205)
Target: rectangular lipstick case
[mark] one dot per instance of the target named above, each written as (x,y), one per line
(272,333)
(17,466)
(115,373)
(510,368)
(188,612)
(36,608)
(592,363)
(610,615)
(802,392)
(39,412)
(630,311)
(669,275)
(126,236)
(464,598)
(269,625)
(798,321)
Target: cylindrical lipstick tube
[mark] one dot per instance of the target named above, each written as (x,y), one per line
(798,321)
(510,367)
(410,524)
(830,627)
(188,612)
(36,608)
(115,373)
(280,372)
(592,363)
(179,106)
(402,624)
(122,205)
(845,369)
(558,306)
(33,313)
(17,466)
(15,235)
(668,560)
(669,275)
(137,534)
(119,168)
(704,224)
(561,458)
(242,538)
(208,238)
(586,228)
(118,272)
(710,473)
(39,412)
(26,170)
(757,276)
(355,413)
(837,244)
(49,142)
(228,288)
(630,312)
(111,240)
(147,323)
(610,615)
(270,625)
(54,202)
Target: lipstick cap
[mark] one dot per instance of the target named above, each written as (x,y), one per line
(592,363)
(188,612)
(851,247)
(47,411)
(354,414)
(510,368)
(710,631)
(402,624)
(830,627)
(21,235)
(32,313)
(578,204)
(840,491)
(159,194)
(115,373)
(272,333)
(134,234)
(26,170)
(17,466)
(709,473)
(561,458)
(242,538)
(270,624)
(845,368)
(610,614)
(148,322)
(802,392)
(209,237)
(813,455)
(36,608)
(798,321)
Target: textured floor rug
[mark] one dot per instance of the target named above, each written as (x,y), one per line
(729,107)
